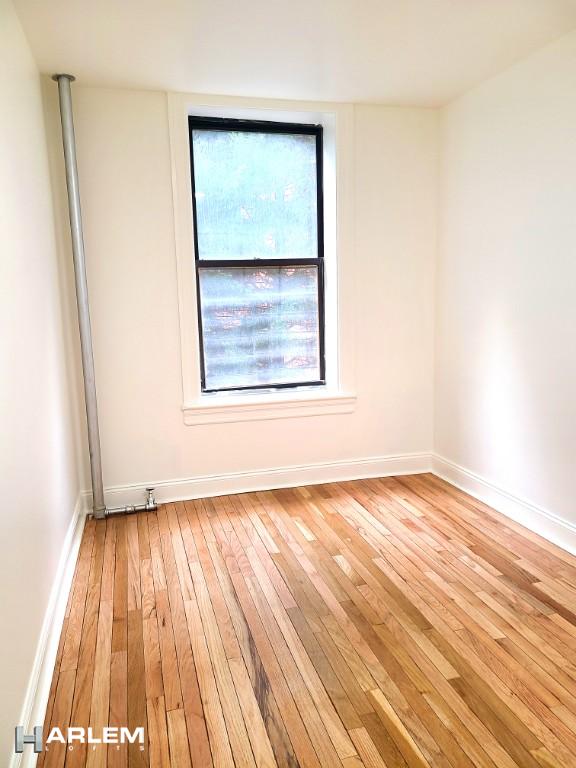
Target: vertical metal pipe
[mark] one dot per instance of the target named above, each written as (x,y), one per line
(64,93)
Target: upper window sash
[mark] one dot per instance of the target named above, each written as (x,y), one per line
(200,176)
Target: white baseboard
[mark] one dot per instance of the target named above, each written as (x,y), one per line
(541,521)
(266,479)
(38,690)
(535,518)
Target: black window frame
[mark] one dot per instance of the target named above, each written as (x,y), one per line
(263,126)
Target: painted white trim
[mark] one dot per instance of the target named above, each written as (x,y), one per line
(541,521)
(340,278)
(266,479)
(253,408)
(38,690)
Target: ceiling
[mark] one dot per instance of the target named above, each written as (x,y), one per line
(422,52)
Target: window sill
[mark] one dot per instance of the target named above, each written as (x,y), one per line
(250,407)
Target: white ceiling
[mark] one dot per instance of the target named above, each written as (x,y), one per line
(393,51)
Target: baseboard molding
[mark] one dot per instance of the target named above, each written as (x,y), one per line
(535,518)
(37,692)
(266,479)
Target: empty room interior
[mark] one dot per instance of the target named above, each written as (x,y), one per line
(288,384)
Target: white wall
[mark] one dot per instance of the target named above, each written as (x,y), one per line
(124,164)
(38,433)
(506,342)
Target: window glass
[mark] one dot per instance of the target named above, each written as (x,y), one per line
(255,195)
(260,326)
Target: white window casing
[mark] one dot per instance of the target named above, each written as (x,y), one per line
(338,395)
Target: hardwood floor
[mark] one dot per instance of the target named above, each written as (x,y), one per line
(394,622)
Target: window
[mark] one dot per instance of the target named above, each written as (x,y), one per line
(258,231)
